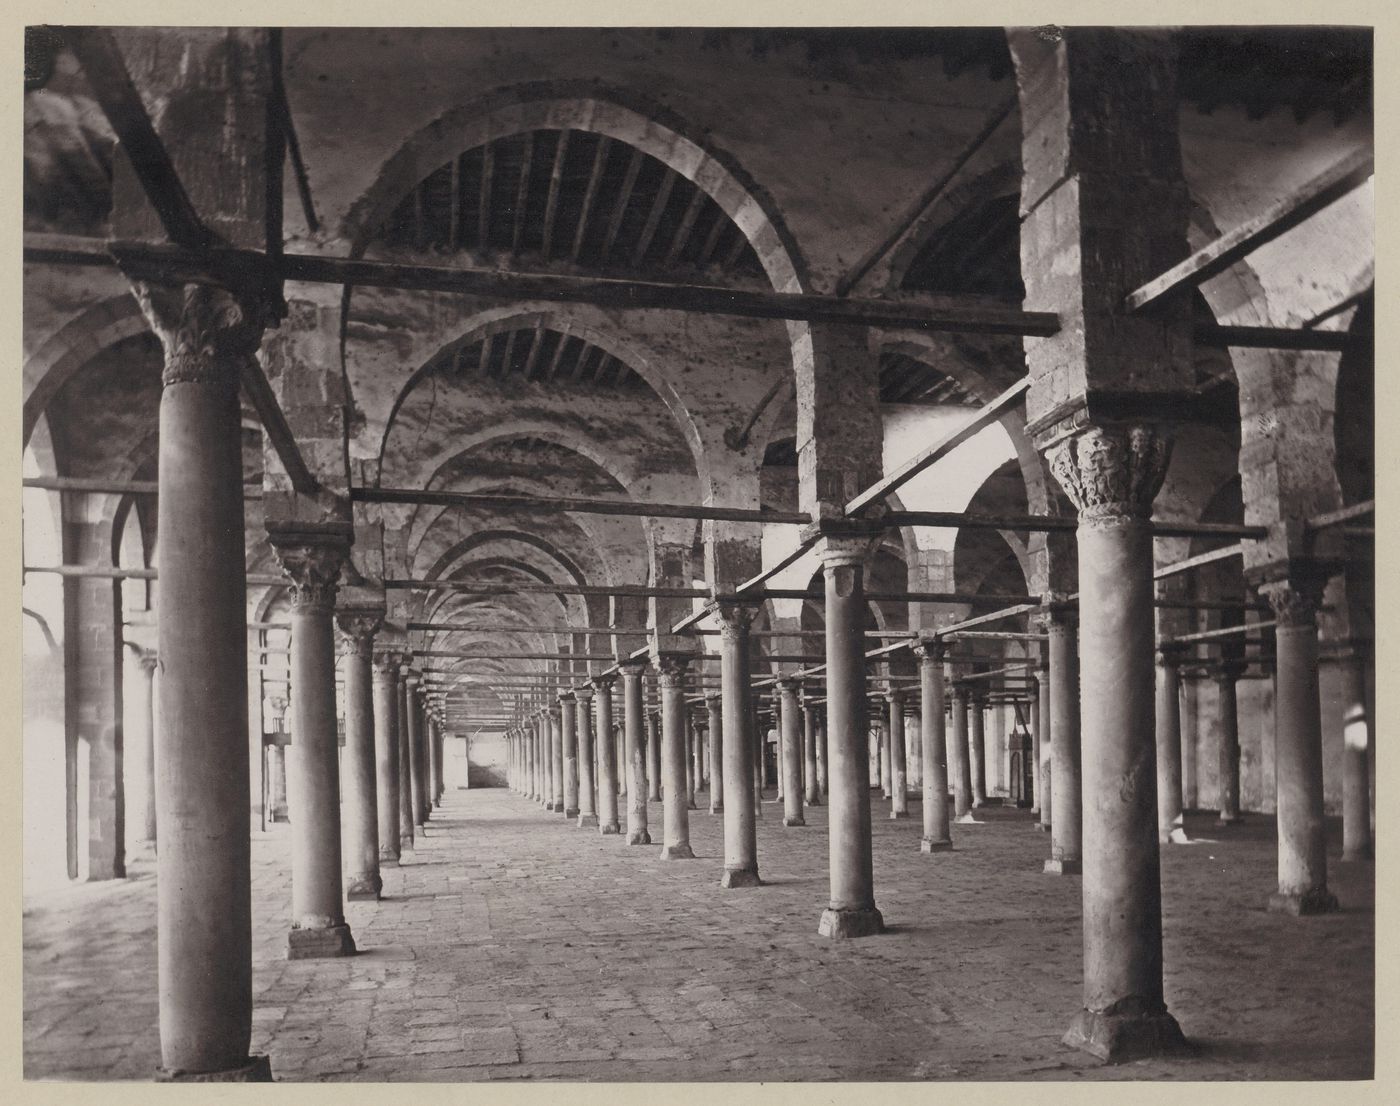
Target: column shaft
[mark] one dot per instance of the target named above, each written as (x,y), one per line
(936,836)
(852,912)
(1171,819)
(899,772)
(386,757)
(654,757)
(1067,826)
(587,800)
(607,761)
(1045,762)
(714,704)
(675,839)
(633,722)
(361,806)
(417,778)
(812,784)
(977,748)
(568,722)
(791,738)
(736,696)
(556,752)
(958,764)
(406,819)
(1356,770)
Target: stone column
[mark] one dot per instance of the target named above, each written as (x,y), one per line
(556,752)
(546,755)
(417,770)
(1356,770)
(713,705)
(882,755)
(913,727)
(690,737)
(146,714)
(809,755)
(698,752)
(958,765)
(1112,474)
(899,778)
(1225,678)
(527,749)
(312,556)
(791,738)
(203,790)
(634,748)
(360,795)
(406,819)
(1302,839)
(587,799)
(822,752)
(434,735)
(607,761)
(1171,818)
(1067,826)
(277,783)
(386,756)
(654,757)
(852,911)
(1033,689)
(1045,761)
(675,823)
(568,722)
(1190,738)
(936,836)
(737,767)
(977,745)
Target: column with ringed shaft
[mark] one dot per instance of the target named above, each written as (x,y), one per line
(555,733)
(811,782)
(1302,837)
(714,705)
(635,751)
(202,784)
(936,836)
(386,755)
(899,772)
(568,727)
(587,801)
(607,762)
(791,738)
(1356,739)
(845,549)
(361,782)
(405,803)
(653,756)
(675,822)
(736,725)
(312,555)
(1171,818)
(958,764)
(146,714)
(1067,785)
(417,779)
(1226,674)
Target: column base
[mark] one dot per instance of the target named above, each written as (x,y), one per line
(1363,853)
(740,877)
(1317,901)
(1176,837)
(587,821)
(388,861)
(1063,867)
(898,815)
(865,922)
(571,813)
(278,816)
(1042,827)
(364,889)
(968,820)
(676,852)
(320,943)
(256,1070)
(549,806)
(609,828)
(716,808)
(639,837)
(1133,1034)
(813,800)
(934,845)
(797,821)
(1229,820)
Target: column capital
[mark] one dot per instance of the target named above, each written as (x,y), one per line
(603,683)
(148,659)
(208,333)
(1296,598)
(567,697)
(359,628)
(734,617)
(1170,654)
(790,685)
(584,694)
(632,669)
(312,555)
(387,661)
(895,697)
(845,542)
(672,668)
(930,650)
(1112,472)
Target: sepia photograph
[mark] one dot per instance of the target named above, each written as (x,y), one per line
(638,554)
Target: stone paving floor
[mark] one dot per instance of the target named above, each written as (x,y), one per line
(514,946)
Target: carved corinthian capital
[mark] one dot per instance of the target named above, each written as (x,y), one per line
(208,333)
(1112,473)
(1295,600)
(359,628)
(312,557)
